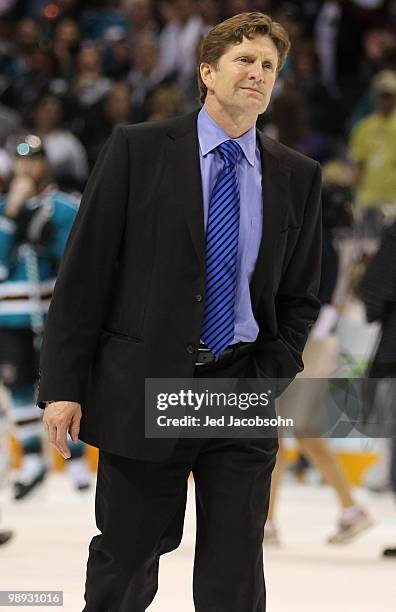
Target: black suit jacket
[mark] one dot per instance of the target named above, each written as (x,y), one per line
(127,302)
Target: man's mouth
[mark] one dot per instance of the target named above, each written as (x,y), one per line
(252,89)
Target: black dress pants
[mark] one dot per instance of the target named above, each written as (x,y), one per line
(140,507)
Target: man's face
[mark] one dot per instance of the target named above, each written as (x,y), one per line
(245,76)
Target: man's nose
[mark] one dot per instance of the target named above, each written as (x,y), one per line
(257,72)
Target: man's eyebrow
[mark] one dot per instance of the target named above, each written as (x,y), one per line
(250,54)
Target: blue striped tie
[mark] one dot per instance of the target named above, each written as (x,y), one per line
(221,253)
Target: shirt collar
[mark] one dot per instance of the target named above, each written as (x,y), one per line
(211,135)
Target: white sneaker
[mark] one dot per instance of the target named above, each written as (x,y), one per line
(30,475)
(80,473)
(32,466)
(349,528)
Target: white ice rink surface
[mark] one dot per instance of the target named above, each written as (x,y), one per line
(54,526)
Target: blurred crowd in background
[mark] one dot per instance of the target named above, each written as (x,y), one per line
(70,70)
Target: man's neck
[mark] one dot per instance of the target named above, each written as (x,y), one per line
(233,125)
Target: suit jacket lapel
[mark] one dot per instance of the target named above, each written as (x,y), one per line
(276,198)
(185,164)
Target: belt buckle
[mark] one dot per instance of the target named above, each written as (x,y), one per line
(207,350)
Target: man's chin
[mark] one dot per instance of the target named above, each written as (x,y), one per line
(256,108)
(256,102)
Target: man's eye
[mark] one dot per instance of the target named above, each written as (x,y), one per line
(244,59)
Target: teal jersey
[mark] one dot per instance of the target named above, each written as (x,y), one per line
(29,263)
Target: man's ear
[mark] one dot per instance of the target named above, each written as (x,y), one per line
(206,71)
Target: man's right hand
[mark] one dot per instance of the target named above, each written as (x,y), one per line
(59,419)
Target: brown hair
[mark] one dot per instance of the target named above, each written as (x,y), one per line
(232,31)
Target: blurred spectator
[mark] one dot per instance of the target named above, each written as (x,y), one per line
(116,54)
(378,292)
(16,53)
(167,39)
(65,47)
(42,69)
(378,45)
(190,27)
(290,15)
(179,37)
(330,40)
(98,17)
(339,32)
(65,154)
(373,149)
(115,108)
(165,102)
(35,221)
(9,123)
(303,111)
(89,85)
(380,51)
(141,18)
(30,69)
(209,11)
(338,219)
(320,357)
(146,74)
(27,36)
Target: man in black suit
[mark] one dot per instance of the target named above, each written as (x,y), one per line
(195,253)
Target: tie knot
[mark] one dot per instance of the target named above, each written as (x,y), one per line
(230,152)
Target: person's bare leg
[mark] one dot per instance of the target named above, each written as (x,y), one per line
(318,451)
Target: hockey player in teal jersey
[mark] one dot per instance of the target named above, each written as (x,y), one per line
(35,221)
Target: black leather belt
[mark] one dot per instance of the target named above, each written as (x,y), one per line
(205,355)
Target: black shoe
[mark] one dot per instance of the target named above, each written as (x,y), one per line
(389,552)
(5,536)
(21,489)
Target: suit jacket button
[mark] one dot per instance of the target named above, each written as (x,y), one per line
(198,297)
(190,349)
